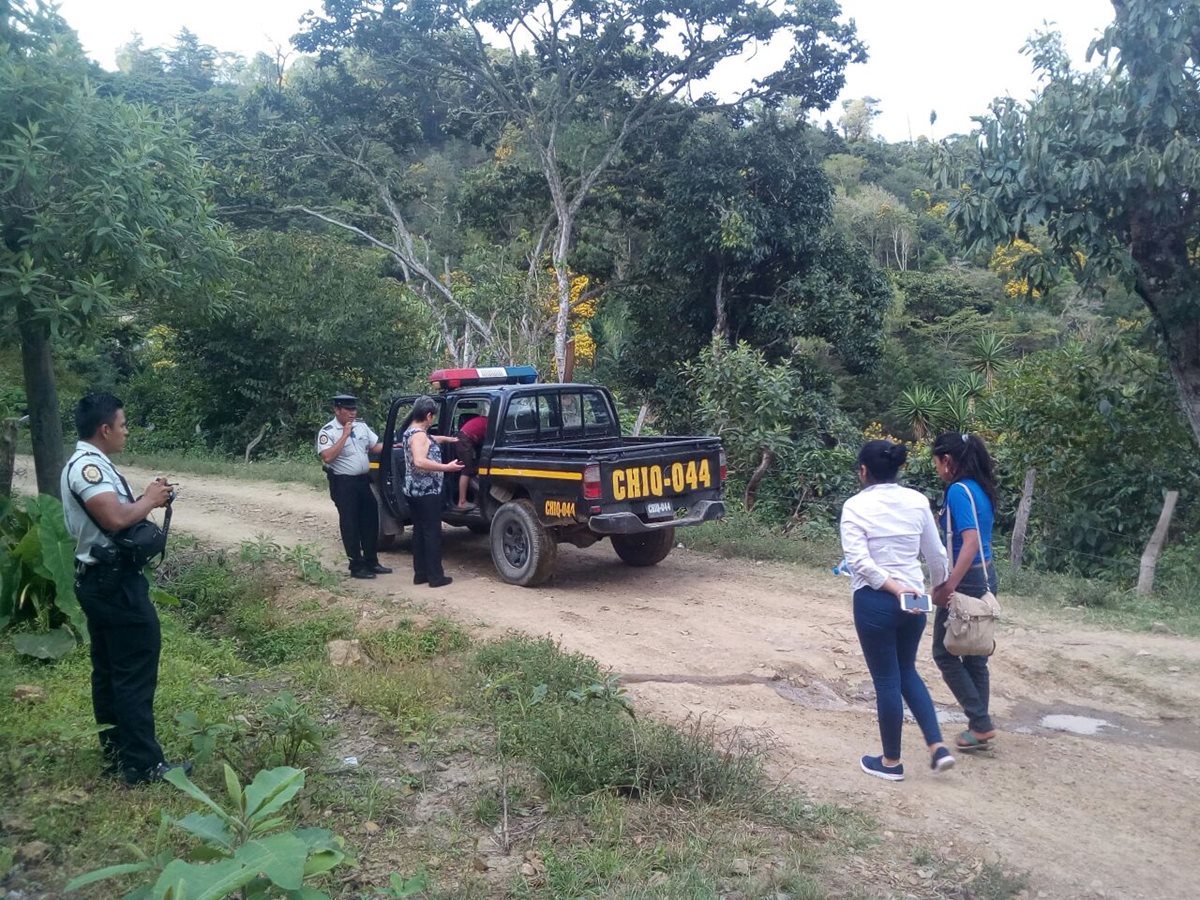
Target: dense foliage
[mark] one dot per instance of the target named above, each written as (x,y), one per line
(410,195)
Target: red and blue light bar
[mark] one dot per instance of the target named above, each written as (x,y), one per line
(449,379)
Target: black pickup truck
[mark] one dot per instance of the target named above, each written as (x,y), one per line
(554,468)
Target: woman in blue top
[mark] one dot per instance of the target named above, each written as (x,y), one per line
(423,470)
(963,463)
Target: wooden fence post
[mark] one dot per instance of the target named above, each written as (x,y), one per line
(1150,556)
(1018,536)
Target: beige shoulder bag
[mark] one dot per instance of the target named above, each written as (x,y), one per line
(971,622)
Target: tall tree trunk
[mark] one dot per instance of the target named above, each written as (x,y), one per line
(42,396)
(1168,285)
(721,328)
(563,276)
(1185,367)
(8,455)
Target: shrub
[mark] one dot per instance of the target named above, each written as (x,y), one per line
(37,578)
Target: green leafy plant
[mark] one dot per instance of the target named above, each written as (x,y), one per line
(413,886)
(308,566)
(243,847)
(289,731)
(37,578)
(261,549)
(208,739)
(607,691)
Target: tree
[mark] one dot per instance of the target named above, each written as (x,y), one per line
(136,60)
(578,81)
(313,318)
(192,61)
(1101,422)
(739,244)
(102,206)
(857,116)
(1108,162)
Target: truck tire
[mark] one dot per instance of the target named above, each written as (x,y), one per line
(522,550)
(646,549)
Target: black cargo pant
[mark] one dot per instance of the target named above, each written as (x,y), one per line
(126,643)
(358,519)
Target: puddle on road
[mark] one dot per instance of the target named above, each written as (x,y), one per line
(1101,724)
(1026,718)
(1082,725)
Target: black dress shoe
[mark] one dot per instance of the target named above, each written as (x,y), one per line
(379,569)
(440,582)
(362,573)
(158,773)
(420,579)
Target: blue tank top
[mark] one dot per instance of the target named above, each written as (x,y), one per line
(419,482)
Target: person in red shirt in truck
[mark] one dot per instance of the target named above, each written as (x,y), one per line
(470,439)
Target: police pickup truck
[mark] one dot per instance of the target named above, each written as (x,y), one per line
(554,468)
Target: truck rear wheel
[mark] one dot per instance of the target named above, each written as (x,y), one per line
(522,550)
(647,548)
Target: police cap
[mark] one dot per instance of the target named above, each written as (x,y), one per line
(347,401)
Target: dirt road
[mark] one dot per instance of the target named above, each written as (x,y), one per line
(1110,814)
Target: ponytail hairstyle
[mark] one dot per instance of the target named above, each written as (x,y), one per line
(883,460)
(971,459)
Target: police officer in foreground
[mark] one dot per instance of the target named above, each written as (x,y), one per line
(343,445)
(122,622)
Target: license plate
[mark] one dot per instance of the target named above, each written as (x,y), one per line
(660,509)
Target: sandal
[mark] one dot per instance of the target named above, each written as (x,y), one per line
(968,743)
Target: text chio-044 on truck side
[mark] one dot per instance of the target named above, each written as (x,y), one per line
(553,467)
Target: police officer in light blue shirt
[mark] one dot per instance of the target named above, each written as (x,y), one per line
(122,623)
(343,444)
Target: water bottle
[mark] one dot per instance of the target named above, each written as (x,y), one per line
(842,568)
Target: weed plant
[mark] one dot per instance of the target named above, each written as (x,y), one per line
(569,720)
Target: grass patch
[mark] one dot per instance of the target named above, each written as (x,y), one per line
(741,536)
(225,596)
(514,742)
(50,787)
(575,726)
(408,642)
(269,636)
(290,469)
(996,883)
(1105,603)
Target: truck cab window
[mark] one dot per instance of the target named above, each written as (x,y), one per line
(572,416)
(596,417)
(549,419)
(521,422)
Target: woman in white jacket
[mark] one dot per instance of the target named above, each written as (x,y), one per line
(884,527)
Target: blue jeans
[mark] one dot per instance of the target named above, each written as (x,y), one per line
(967,676)
(890,638)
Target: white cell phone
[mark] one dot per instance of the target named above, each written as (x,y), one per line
(916,603)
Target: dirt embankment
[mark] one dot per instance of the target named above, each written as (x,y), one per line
(1109,814)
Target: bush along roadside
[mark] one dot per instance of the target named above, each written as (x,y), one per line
(37,579)
(432,768)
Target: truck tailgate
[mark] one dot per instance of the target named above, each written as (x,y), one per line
(658,470)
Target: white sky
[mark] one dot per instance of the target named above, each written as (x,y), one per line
(952,56)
